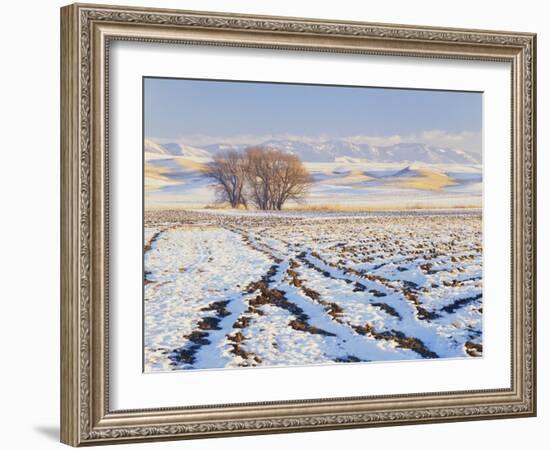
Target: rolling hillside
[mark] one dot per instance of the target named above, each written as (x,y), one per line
(400,176)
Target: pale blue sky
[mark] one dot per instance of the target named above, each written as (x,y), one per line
(178,108)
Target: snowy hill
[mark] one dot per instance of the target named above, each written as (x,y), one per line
(399,153)
(344,173)
(175,149)
(333,150)
(415,152)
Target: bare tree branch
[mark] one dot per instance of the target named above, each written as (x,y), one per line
(226,171)
(264,177)
(274,177)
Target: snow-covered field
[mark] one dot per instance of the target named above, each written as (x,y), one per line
(241,289)
(175,181)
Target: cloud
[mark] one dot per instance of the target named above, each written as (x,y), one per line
(469,141)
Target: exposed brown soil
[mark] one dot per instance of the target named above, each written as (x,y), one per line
(146,280)
(312,294)
(236,337)
(250,358)
(410,293)
(473,349)
(333,309)
(377,293)
(187,353)
(153,239)
(457,304)
(424,314)
(199,337)
(278,298)
(427,268)
(264,281)
(349,358)
(425,251)
(453,283)
(209,323)
(388,309)
(403,341)
(242,322)
(219,307)
(147,247)
(293,264)
(310,265)
(300,325)
(294,279)
(247,356)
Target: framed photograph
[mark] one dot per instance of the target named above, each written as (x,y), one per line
(276,224)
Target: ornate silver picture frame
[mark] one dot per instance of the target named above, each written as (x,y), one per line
(87,34)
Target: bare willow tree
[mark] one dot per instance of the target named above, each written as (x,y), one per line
(227,173)
(264,177)
(258,176)
(274,177)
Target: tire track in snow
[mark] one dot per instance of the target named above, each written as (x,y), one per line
(147,248)
(454,280)
(412,333)
(399,338)
(395,296)
(354,345)
(188,319)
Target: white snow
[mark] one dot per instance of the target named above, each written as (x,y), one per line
(348,287)
(190,268)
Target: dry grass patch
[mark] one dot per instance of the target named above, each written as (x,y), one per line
(427,180)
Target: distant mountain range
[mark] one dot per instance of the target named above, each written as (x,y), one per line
(174,149)
(330,151)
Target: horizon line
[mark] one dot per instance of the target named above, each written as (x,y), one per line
(433,138)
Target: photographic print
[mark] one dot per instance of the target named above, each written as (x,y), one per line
(296,224)
(289,198)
